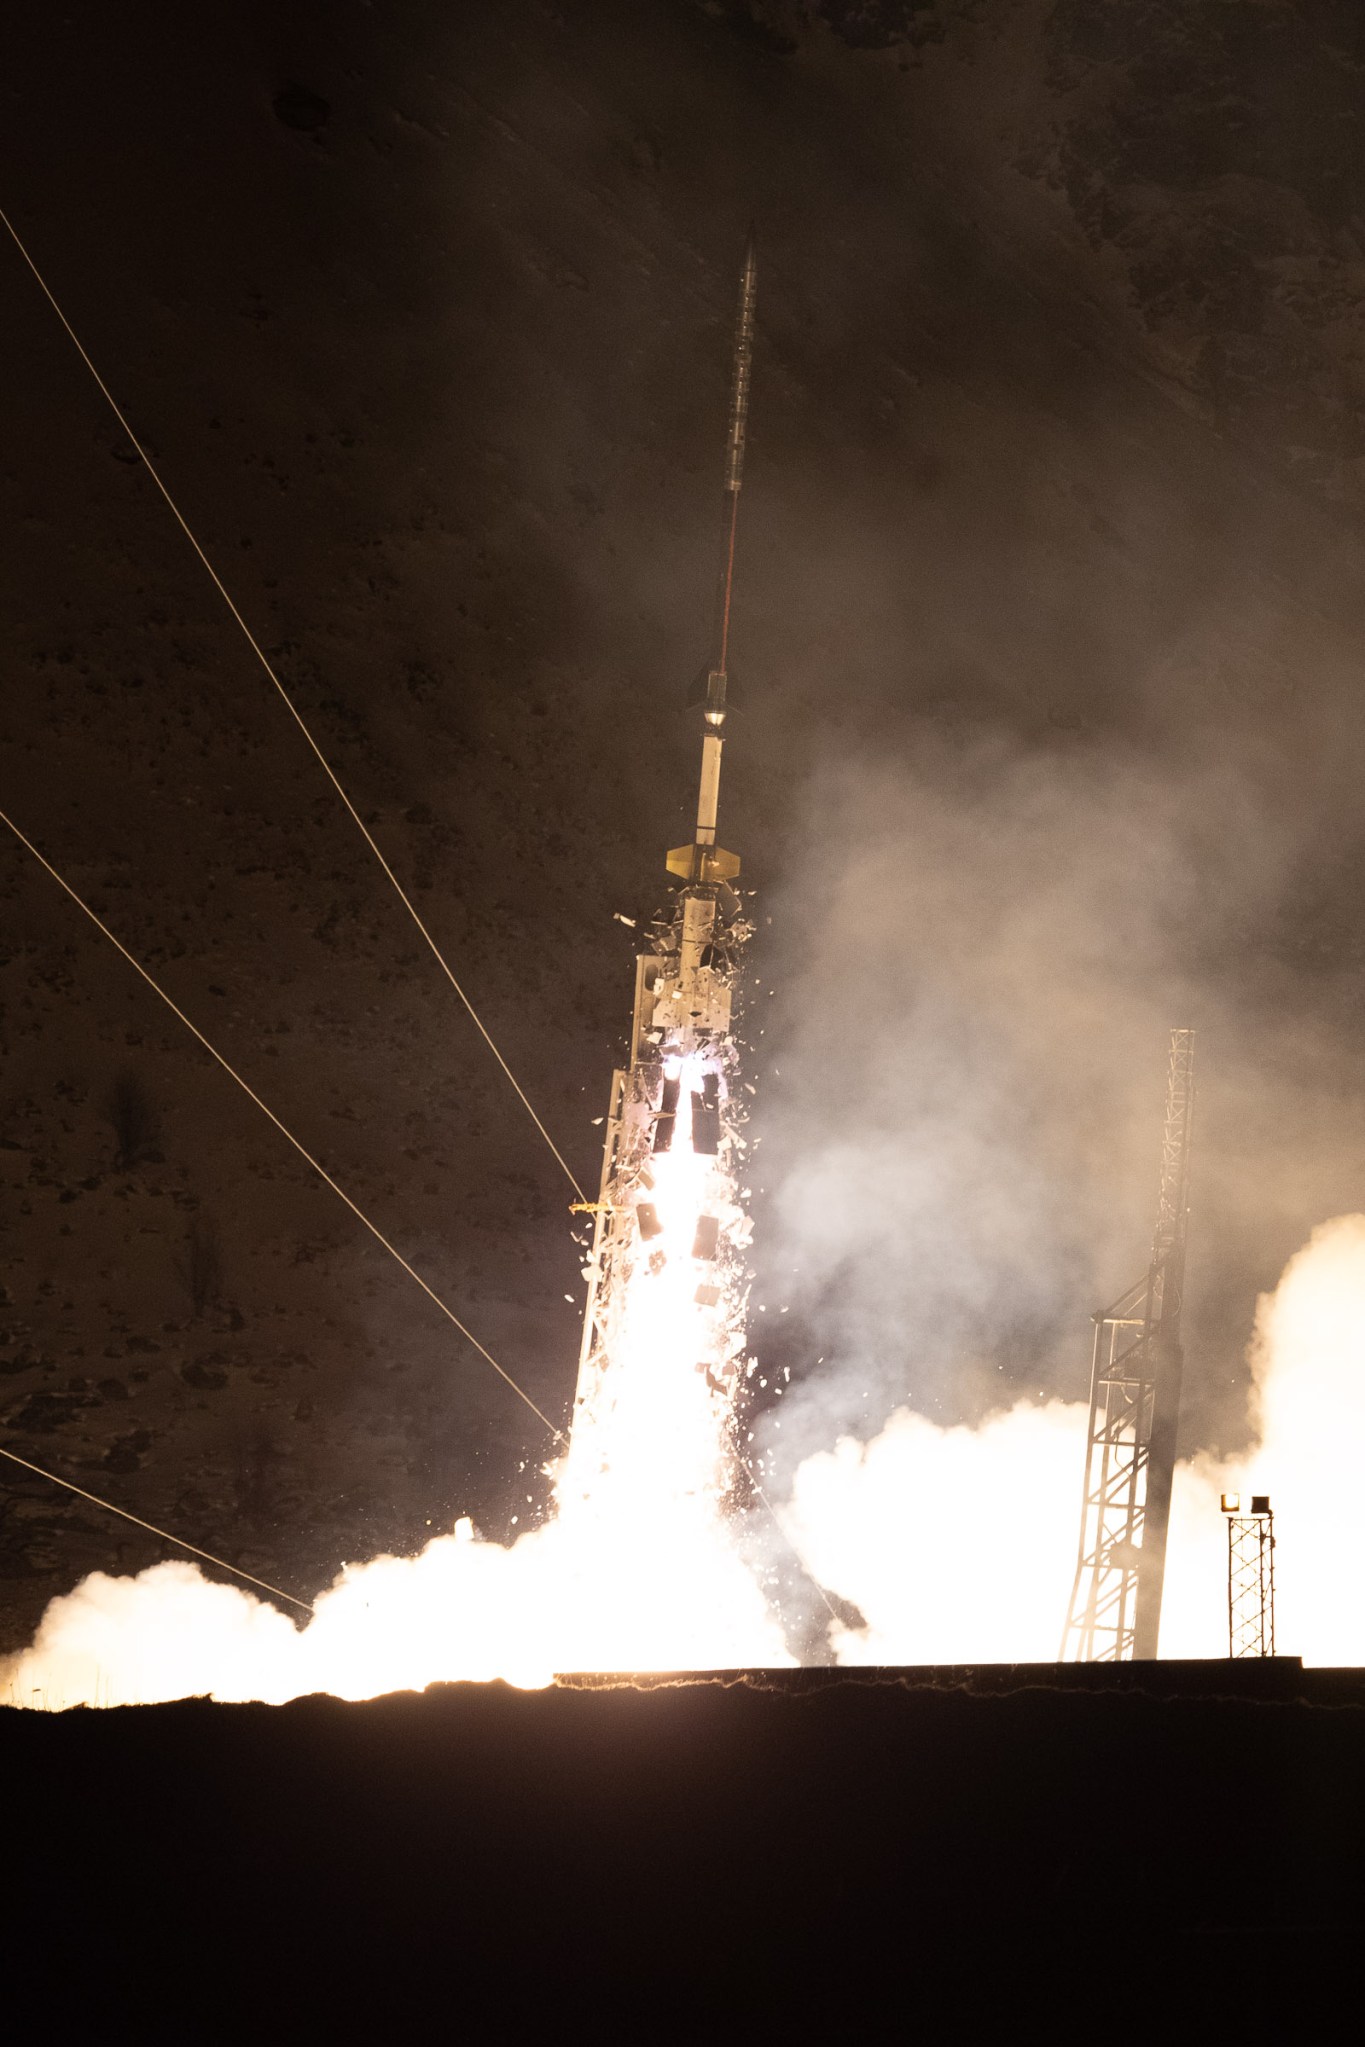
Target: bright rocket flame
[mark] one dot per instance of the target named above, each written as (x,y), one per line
(640,1497)
(655,1429)
(634,1569)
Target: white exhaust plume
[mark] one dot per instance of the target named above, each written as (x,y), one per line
(574,1595)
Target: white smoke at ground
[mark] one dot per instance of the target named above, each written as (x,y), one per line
(959,1545)
(956,1545)
(576,1594)
(990,942)
(1308,1411)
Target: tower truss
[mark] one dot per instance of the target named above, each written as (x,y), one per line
(1251,1576)
(1135,1377)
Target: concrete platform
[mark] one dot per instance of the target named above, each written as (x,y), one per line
(1270,1677)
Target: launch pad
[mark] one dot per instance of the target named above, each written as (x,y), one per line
(1251,1678)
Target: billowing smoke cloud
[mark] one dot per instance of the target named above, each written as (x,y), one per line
(958,1545)
(580,1593)
(965,1064)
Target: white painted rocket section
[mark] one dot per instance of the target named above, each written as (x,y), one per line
(708,801)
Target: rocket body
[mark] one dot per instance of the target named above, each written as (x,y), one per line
(666,1203)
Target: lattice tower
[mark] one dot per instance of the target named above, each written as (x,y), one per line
(1135,1377)
(1251,1581)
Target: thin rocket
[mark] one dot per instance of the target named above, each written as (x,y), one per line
(677,1087)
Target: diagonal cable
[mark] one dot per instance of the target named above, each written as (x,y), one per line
(304,1605)
(289,704)
(303,1152)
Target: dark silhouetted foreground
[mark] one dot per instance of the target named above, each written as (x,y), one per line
(641,1859)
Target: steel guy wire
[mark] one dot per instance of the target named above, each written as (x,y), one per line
(303,1604)
(289,703)
(300,1148)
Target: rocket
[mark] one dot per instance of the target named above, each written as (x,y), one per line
(674,1093)
(692,1004)
(702,861)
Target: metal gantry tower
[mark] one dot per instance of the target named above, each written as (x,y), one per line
(1251,1576)
(1115,1611)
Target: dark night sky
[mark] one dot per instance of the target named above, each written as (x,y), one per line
(1050,619)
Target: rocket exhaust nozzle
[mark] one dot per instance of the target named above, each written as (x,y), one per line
(714,692)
